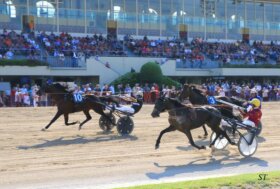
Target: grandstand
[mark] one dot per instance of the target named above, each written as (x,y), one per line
(190,38)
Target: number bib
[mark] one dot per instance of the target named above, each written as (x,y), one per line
(78,98)
(211,100)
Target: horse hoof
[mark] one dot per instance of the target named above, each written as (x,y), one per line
(203,147)
(43,129)
(80,127)
(156,147)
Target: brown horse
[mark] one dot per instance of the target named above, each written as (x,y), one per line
(184,119)
(199,97)
(68,103)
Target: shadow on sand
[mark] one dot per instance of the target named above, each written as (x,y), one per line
(201,142)
(77,140)
(211,165)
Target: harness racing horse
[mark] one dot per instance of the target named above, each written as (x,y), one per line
(184,119)
(198,97)
(67,103)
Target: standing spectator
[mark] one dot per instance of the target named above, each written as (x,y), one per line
(74,59)
(135,89)
(173,92)
(106,91)
(35,96)
(97,90)
(112,89)
(127,90)
(120,89)
(167,91)
(265,94)
(153,94)
(247,92)
(1,99)
(146,93)
(238,91)
(221,92)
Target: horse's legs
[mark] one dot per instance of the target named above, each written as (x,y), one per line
(57,115)
(205,131)
(189,135)
(219,132)
(213,142)
(86,112)
(168,129)
(66,118)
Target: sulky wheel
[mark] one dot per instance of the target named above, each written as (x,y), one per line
(244,147)
(105,124)
(259,129)
(125,125)
(220,143)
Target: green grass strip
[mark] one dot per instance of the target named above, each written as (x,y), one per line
(252,180)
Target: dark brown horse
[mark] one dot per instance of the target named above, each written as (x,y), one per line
(184,119)
(199,97)
(68,103)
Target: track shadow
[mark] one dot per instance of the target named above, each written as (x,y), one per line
(211,165)
(261,139)
(202,142)
(78,140)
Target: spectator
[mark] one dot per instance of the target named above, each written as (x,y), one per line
(127,90)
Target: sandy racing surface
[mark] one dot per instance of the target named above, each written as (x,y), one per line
(64,157)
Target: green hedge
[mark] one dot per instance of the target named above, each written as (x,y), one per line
(169,82)
(150,73)
(25,62)
(128,78)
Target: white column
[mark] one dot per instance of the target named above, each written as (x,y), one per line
(85,12)
(27,6)
(160,19)
(137,20)
(204,11)
(226,19)
(57,15)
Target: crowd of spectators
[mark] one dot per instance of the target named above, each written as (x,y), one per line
(22,96)
(199,49)
(26,95)
(65,45)
(267,91)
(12,43)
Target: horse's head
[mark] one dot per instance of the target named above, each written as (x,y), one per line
(55,88)
(160,106)
(186,92)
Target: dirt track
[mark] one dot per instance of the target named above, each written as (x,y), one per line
(64,157)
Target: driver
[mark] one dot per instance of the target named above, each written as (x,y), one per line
(253,112)
(253,94)
(136,104)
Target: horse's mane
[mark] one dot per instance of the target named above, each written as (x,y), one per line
(176,102)
(60,87)
(198,91)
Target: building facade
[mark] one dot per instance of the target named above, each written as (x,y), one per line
(209,19)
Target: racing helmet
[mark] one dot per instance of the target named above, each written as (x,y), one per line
(256,102)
